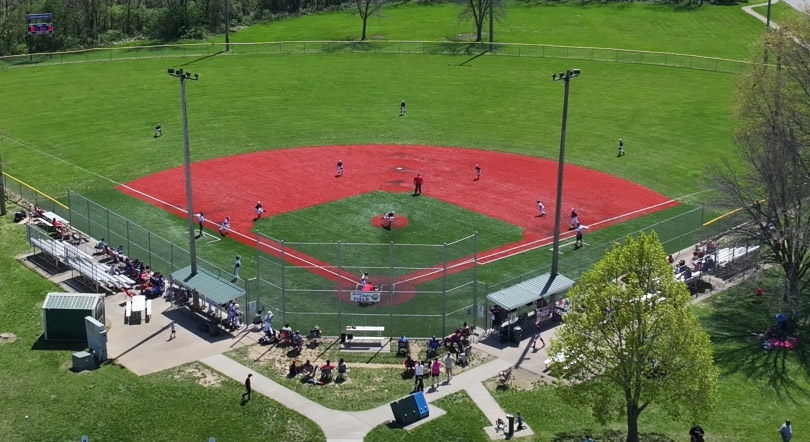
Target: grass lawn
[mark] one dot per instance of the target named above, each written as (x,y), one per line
(349,221)
(111,403)
(716,31)
(463,422)
(781,13)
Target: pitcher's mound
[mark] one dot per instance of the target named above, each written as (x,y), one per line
(399,222)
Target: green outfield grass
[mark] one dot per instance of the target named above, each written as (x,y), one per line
(110,403)
(715,31)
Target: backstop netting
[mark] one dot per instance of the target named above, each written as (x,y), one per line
(414,289)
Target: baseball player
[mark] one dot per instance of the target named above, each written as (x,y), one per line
(541,207)
(477,172)
(339,168)
(225,228)
(259,209)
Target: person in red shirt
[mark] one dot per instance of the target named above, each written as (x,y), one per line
(417,185)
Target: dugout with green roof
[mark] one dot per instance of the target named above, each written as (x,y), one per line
(209,285)
(530,291)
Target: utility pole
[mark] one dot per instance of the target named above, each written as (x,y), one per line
(566,77)
(767,29)
(227,26)
(491,14)
(192,249)
(3,209)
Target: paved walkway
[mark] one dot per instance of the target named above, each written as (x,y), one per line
(750,11)
(345,426)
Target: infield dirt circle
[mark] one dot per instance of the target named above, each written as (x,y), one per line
(286,180)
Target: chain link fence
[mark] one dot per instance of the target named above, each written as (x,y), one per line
(23,195)
(411,288)
(383,47)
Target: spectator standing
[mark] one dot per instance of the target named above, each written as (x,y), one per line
(448,366)
(268,323)
(419,373)
(237,264)
(201,217)
(435,371)
(621,147)
(247,388)
(537,337)
(786,431)
(542,208)
(520,425)
(173,334)
(417,184)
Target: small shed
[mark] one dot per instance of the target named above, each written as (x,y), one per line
(63,314)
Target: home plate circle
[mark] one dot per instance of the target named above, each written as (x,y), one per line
(399,222)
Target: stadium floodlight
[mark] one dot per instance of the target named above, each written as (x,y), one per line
(192,249)
(566,77)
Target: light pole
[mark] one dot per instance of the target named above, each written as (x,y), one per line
(566,77)
(183,76)
(767,28)
(227,26)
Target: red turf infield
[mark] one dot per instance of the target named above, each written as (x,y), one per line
(291,179)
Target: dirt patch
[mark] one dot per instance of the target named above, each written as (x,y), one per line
(522,380)
(469,36)
(204,376)
(7,338)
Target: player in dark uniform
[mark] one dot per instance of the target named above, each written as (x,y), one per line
(402,109)
(477,172)
(158,131)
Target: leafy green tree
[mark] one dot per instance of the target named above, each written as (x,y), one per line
(630,340)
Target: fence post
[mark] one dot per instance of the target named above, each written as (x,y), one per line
(391,306)
(171,256)
(108,224)
(444,292)
(340,285)
(258,270)
(89,223)
(129,247)
(70,211)
(283,288)
(715,64)
(475,280)
(305,47)
(149,245)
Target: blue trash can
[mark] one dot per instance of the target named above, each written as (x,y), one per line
(421,404)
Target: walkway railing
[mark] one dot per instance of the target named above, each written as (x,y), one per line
(382,47)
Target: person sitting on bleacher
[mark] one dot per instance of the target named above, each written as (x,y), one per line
(38,212)
(101,245)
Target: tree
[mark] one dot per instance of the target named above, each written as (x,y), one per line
(365,9)
(630,340)
(478,11)
(772,139)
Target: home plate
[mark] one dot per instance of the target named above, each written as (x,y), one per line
(400,168)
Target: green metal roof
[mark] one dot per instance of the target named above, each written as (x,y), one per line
(208,284)
(530,290)
(71,301)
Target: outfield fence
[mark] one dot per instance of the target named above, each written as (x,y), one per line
(463,49)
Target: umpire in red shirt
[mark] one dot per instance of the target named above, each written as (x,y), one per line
(417,185)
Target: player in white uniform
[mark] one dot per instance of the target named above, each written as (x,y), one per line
(339,168)
(541,207)
(621,147)
(225,228)
(259,209)
(574,219)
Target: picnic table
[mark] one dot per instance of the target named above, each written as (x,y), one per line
(138,304)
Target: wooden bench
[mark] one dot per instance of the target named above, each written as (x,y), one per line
(128,312)
(148,310)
